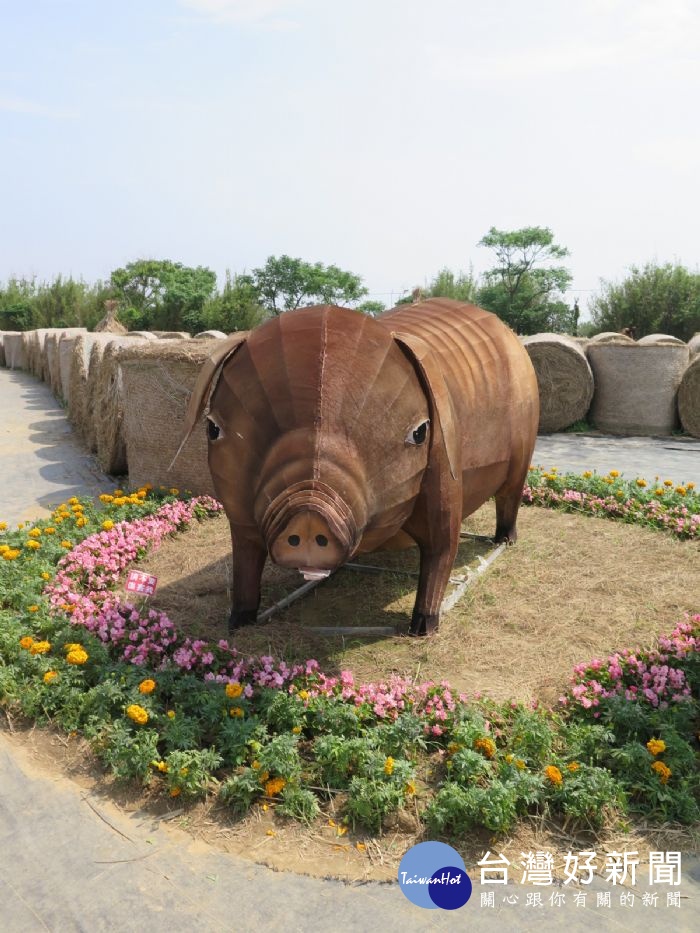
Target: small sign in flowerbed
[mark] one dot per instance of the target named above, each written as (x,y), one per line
(198,718)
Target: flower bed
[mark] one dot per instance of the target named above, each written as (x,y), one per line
(158,706)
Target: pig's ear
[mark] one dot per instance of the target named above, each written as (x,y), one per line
(433,381)
(206,383)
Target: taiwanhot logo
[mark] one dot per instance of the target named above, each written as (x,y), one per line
(432,874)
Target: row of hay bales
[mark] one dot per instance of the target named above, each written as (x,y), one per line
(125,395)
(619,385)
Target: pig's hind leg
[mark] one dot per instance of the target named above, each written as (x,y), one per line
(248,562)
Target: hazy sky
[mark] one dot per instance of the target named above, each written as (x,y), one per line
(385,136)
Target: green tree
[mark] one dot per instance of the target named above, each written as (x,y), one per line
(462,286)
(373,308)
(285,284)
(17,304)
(654,299)
(237,307)
(524,289)
(163,295)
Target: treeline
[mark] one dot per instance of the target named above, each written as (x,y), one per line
(525,287)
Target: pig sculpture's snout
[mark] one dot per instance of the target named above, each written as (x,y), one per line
(308,544)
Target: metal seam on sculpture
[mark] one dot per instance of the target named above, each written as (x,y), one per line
(319,410)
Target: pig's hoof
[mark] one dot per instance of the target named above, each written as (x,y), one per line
(241,617)
(422,624)
(505,536)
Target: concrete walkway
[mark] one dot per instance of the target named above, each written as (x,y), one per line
(71,863)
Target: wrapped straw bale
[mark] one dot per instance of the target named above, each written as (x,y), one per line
(108,408)
(219,335)
(158,380)
(636,387)
(652,340)
(51,365)
(30,344)
(141,333)
(564,379)
(689,398)
(66,343)
(694,345)
(14,349)
(611,336)
(171,334)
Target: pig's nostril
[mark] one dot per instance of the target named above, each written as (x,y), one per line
(321,540)
(294,540)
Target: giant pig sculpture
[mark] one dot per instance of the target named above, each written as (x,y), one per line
(332,433)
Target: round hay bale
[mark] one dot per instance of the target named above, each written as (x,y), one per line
(689,398)
(30,345)
(652,340)
(141,333)
(108,409)
(636,387)
(66,343)
(171,334)
(694,345)
(219,335)
(14,349)
(50,366)
(610,336)
(80,409)
(158,380)
(564,380)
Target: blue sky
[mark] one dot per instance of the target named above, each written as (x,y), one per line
(384,136)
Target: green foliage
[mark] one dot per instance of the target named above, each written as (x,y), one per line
(159,294)
(285,284)
(339,758)
(280,757)
(461,286)
(653,299)
(26,304)
(370,800)
(373,308)
(236,308)
(240,790)
(589,796)
(128,750)
(190,772)
(299,804)
(524,289)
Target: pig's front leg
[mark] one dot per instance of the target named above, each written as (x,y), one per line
(248,562)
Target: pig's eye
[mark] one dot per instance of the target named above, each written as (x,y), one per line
(417,436)
(213,430)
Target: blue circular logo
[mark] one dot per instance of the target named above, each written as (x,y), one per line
(432,875)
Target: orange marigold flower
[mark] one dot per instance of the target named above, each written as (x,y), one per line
(641,483)
(410,789)
(147,686)
(681,490)
(32,608)
(668,482)
(296,730)
(77,656)
(614,473)
(486,746)
(264,776)
(175,791)
(40,647)
(233,690)
(50,676)
(66,544)
(520,764)
(107,525)
(662,770)
(573,766)
(26,642)
(46,575)
(553,774)
(274,786)
(50,531)
(656,746)
(236,712)
(34,533)
(33,545)
(137,713)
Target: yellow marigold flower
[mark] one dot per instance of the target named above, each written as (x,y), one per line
(658,492)
(255,765)
(656,746)
(668,482)
(77,509)
(33,608)
(107,525)
(147,486)
(520,764)
(608,480)
(236,712)
(82,522)
(77,656)
(296,730)
(46,575)
(641,483)
(105,497)
(162,767)
(553,774)
(66,544)
(303,694)
(174,491)
(233,691)
(410,788)
(74,500)
(4,547)
(50,530)
(690,486)
(72,646)
(614,473)
(3,526)
(264,776)
(137,713)
(509,759)
(573,766)
(273,787)
(486,746)
(40,647)
(33,545)
(389,765)
(170,714)
(175,791)
(681,490)
(118,492)
(587,474)
(11,554)
(453,747)
(662,770)
(20,525)
(147,686)
(619,494)
(26,642)
(119,500)
(184,772)
(34,533)
(50,676)
(141,494)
